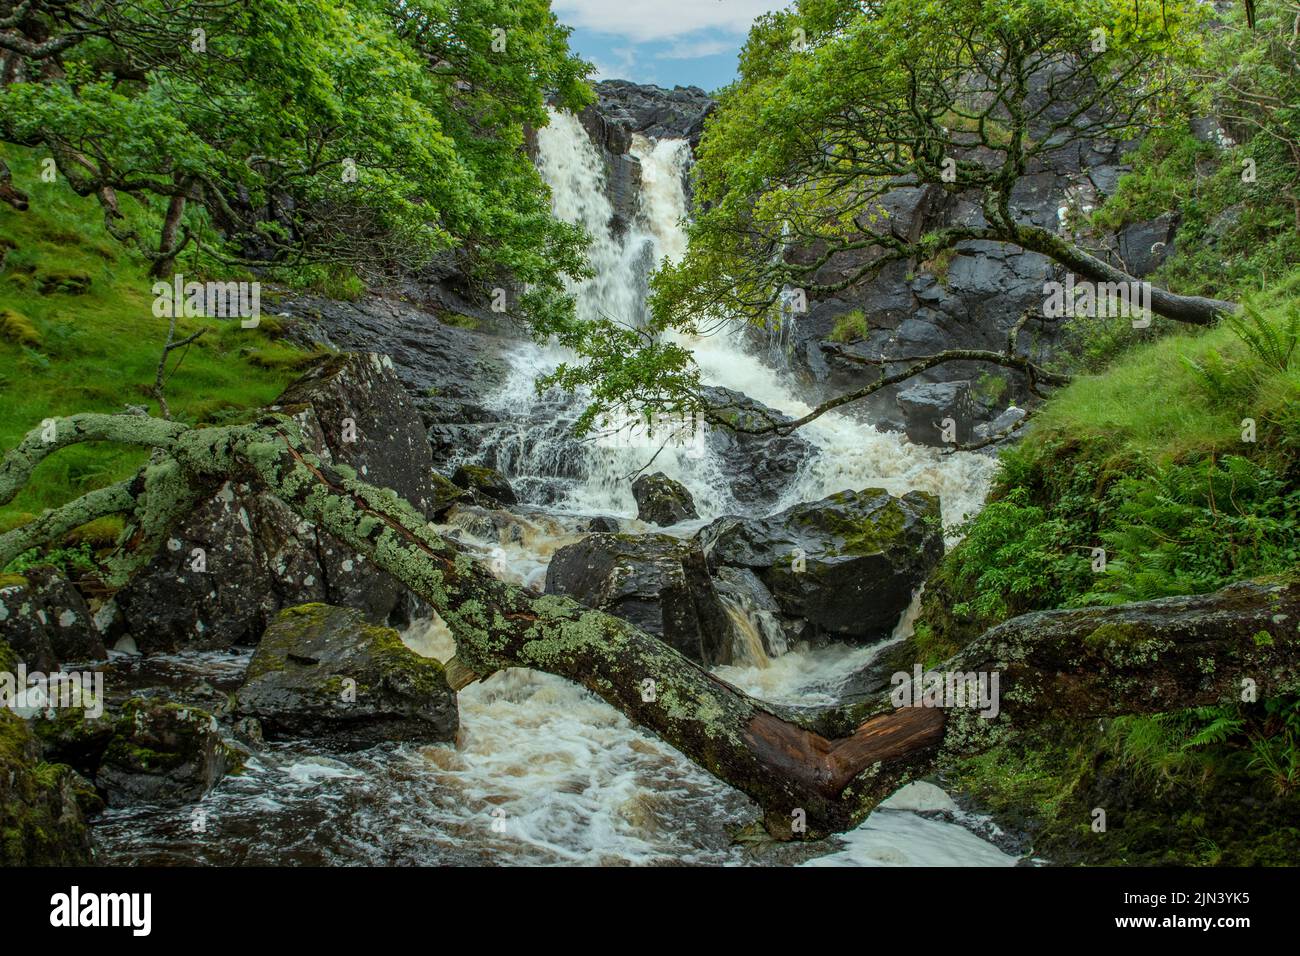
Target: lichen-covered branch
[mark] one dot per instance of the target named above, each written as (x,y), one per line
(812,772)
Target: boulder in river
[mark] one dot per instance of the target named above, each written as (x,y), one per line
(930,409)
(324,673)
(162,753)
(758,467)
(44,618)
(658,582)
(485,481)
(661,500)
(240,556)
(847,565)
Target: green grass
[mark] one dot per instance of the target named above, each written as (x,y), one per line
(1155,400)
(98,351)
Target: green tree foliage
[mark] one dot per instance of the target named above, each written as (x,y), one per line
(367,132)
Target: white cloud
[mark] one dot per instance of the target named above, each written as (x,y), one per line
(691,49)
(646,20)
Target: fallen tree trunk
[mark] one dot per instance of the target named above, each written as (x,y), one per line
(812,772)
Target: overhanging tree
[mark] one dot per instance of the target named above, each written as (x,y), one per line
(840,104)
(368,133)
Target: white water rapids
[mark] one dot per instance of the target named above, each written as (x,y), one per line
(543,771)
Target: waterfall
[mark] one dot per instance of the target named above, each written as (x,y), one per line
(536,451)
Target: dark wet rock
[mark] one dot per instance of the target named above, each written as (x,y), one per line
(242,556)
(601,523)
(760,468)
(1144,246)
(485,481)
(446,493)
(678,113)
(41,817)
(930,409)
(661,500)
(324,673)
(46,621)
(847,564)
(658,582)
(448,371)
(162,753)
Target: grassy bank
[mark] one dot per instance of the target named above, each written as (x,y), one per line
(78,334)
(1175,471)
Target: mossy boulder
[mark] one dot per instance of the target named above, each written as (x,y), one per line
(322,672)
(259,555)
(162,753)
(661,500)
(485,481)
(847,565)
(41,819)
(445,494)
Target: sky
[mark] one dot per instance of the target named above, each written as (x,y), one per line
(668,42)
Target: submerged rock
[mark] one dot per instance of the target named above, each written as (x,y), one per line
(661,500)
(322,672)
(658,582)
(162,753)
(847,565)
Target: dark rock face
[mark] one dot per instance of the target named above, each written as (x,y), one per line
(658,582)
(44,618)
(760,467)
(661,500)
(846,564)
(256,556)
(927,406)
(485,481)
(447,371)
(162,753)
(322,672)
(678,113)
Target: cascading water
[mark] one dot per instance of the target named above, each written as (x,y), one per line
(538,451)
(543,771)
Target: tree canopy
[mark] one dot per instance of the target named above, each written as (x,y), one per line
(366,132)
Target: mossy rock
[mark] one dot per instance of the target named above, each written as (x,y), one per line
(41,817)
(322,672)
(445,494)
(482,480)
(162,753)
(63,283)
(847,564)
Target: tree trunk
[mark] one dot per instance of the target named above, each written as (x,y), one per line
(168,245)
(1192,309)
(812,772)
